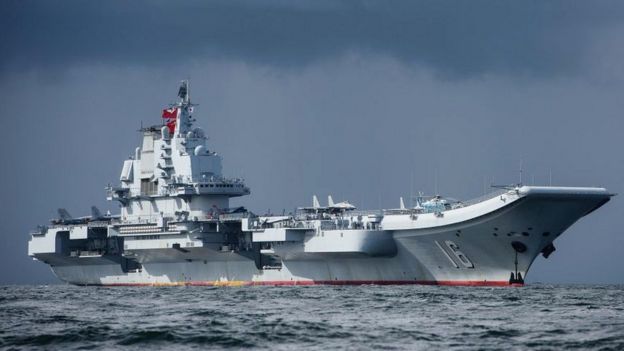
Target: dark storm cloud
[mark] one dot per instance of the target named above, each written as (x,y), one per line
(455,38)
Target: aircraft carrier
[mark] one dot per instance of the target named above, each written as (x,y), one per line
(176,227)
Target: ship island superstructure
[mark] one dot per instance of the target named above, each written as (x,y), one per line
(176,227)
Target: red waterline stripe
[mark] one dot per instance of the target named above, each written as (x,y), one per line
(500,283)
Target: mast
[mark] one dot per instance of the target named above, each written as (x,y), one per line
(185,107)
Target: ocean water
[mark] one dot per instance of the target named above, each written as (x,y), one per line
(536,316)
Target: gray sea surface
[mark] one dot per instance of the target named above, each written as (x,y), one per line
(536,316)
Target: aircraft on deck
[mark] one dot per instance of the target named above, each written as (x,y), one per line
(67,219)
(331,207)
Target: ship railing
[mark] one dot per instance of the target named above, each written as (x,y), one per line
(232,216)
(306,215)
(231,185)
(217,185)
(290,223)
(363,213)
(485,197)
(152,219)
(143,220)
(188,180)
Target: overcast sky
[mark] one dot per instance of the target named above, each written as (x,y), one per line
(361,100)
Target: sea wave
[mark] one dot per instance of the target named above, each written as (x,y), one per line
(317,317)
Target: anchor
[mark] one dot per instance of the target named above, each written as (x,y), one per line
(516,277)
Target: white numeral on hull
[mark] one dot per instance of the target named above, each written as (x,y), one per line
(454,249)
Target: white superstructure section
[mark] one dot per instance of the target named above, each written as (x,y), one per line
(176,227)
(173,175)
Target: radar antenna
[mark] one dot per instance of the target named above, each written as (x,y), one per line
(183,92)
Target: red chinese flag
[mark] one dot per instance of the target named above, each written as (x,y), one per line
(170,116)
(170,113)
(171,125)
